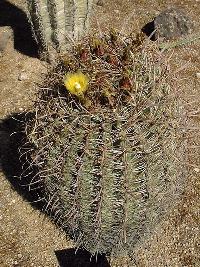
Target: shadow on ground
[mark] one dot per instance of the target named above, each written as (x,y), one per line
(13,163)
(149,30)
(80,258)
(12,16)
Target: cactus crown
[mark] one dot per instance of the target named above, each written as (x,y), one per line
(105,159)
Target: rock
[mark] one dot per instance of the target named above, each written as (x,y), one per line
(198,75)
(172,23)
(169,24)
(6,34)
(22,76)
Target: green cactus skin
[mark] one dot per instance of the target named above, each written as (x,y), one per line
(109,173)
(56,22)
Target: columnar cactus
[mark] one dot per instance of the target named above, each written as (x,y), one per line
(107,151)
(56,22)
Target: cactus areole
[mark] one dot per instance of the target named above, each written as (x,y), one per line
(57,22)
(106,142)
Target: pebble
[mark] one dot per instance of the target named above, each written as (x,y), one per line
(197,170)
(19,255)
(22,76)
(100,3)
(198,75)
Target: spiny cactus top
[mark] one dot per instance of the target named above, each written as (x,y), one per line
(108,160)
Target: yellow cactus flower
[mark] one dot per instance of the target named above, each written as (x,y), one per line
(76,83)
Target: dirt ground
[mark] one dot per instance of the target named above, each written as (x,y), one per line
(27,236)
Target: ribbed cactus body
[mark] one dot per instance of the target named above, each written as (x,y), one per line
(56,22)
(109,177)
(110,169)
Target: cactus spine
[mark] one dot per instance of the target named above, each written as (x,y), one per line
(56,22)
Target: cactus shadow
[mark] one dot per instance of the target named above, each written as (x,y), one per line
(80,258)
(11,15)
(149,30)
(12,164)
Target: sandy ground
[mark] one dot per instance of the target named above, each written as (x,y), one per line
(27,236)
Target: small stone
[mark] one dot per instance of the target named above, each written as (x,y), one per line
(197,170)
(100,3)
(198,75)
(22,76)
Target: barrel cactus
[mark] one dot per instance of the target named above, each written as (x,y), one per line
(106,141)
(56,23)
